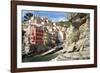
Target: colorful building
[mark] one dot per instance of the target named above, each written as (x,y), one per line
(36,35)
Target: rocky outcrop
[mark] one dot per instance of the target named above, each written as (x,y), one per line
(77,44)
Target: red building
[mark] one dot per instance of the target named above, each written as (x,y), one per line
(36,36)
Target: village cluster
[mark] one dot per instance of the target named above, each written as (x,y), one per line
(39,31)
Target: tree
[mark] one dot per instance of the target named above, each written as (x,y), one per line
(27,16)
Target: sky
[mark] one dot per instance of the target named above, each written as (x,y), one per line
(51,15)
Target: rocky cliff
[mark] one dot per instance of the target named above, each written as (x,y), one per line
(77,42)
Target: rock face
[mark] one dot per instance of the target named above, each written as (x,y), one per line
(77,43)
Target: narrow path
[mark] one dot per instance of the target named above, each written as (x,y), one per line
(53,50)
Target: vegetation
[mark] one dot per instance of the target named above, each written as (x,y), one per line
(27,16)
(65,23)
